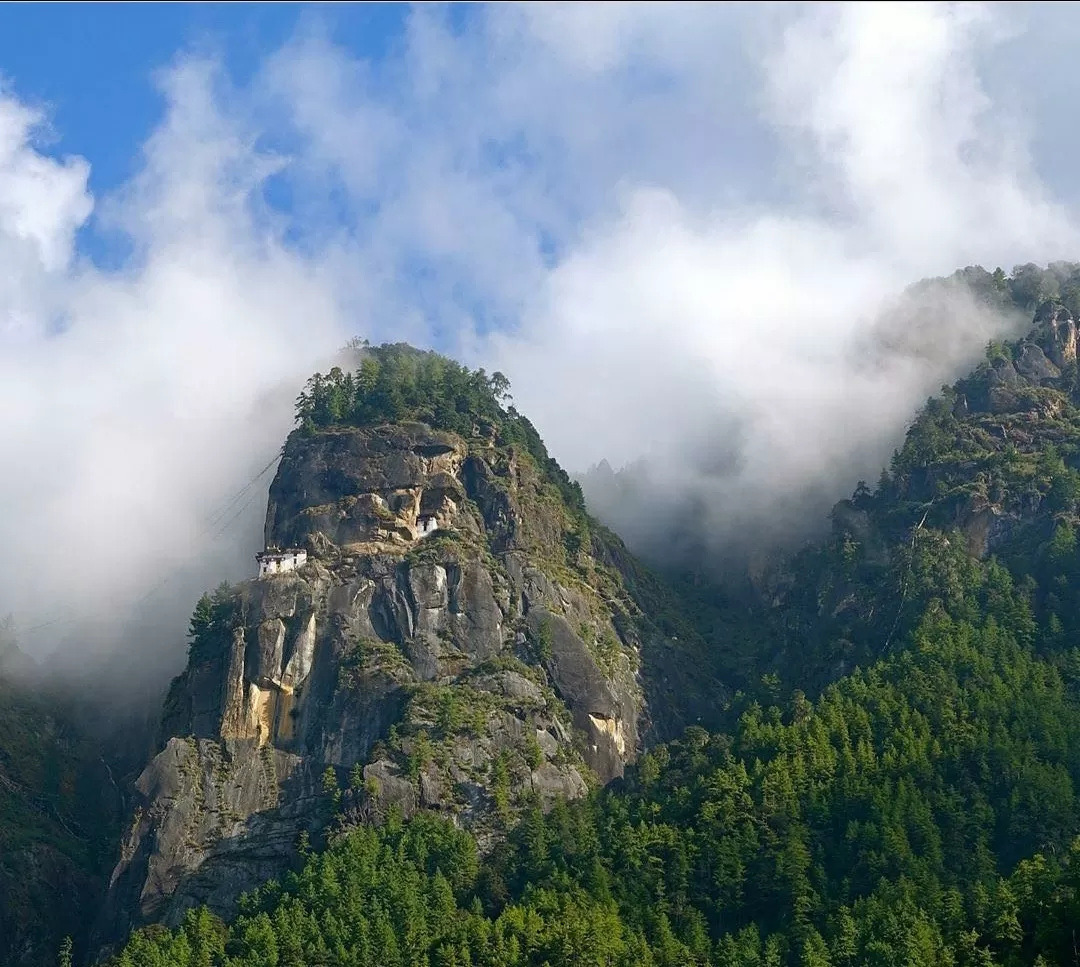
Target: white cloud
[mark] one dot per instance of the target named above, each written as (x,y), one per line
(42,203)
(675,319)
(164,387)
(903,134)
(681,221)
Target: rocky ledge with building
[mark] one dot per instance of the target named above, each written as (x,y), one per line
(443,632)
(276,561)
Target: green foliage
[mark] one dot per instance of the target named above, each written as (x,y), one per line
(400,895)
(923,811)
(369,655)
(396,383)
(211,624)
(534,755)
(451,710)
(500,785)
(543,640)
(356,777)
(330,786)
(419,755)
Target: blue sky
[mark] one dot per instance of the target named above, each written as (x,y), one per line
(92,68)
(93,64)
(673,226)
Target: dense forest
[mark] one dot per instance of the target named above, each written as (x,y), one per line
(923,811)
(919,807)
(896,780)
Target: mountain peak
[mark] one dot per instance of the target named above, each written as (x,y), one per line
(461,637)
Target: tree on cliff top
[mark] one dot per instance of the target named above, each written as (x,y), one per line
(395,382)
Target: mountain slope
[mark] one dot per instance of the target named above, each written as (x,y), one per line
(463,638)
(58,814)
(922,809)
(990,467)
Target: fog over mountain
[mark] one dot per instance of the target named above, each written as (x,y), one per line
(682,234)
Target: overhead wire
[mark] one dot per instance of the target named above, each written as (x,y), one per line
(218,514)
(211,523)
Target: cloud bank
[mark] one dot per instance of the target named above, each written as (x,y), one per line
(736,352)
(137,402)
(675,230)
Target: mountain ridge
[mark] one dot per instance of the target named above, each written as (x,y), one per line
(920,807)
(462,638)
(889,710)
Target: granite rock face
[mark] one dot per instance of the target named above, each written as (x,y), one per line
(448,646)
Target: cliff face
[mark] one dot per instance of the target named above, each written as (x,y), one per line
(502,658)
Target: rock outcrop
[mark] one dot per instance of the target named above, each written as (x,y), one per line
(1055,330)
(489,664)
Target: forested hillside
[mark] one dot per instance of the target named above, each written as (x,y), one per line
(923,811)
(891,779)
(920,807)
(58,814)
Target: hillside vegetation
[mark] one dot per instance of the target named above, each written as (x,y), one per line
(896,783)
(57,819)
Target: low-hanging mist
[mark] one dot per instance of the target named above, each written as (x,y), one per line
(139,403)
(748,364)
(799,431)
(684,234)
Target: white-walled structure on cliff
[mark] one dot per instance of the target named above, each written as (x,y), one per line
(274,561)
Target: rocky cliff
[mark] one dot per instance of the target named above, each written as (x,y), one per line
(460,639)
